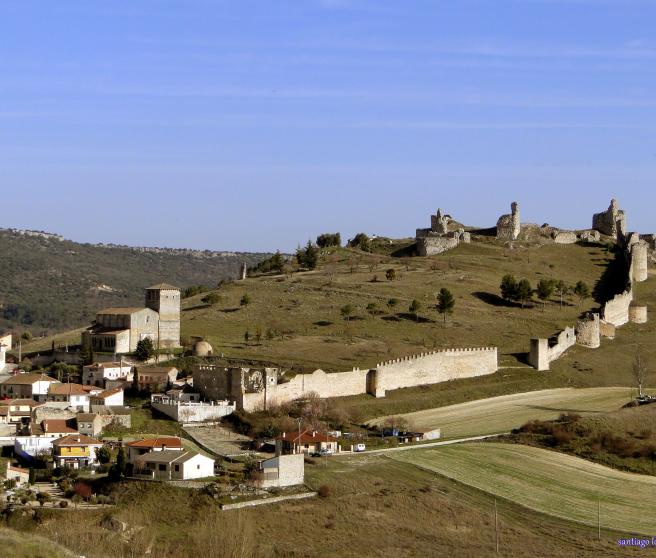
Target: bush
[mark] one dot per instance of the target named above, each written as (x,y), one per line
(327,240)
(361,241)
(324,491)
(63,504)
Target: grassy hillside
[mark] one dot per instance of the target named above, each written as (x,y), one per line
(548,482)
(377,507)
(303,312)
(502,414)
(49,285)
(19,545)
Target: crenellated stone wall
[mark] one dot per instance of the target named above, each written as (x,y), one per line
(254,390)
(616,310)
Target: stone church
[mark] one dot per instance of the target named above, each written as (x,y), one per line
(118,330)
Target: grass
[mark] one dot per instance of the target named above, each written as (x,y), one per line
(377,507)
(624,439)
(548,482)
(501,414)
(17,545)
(305,310)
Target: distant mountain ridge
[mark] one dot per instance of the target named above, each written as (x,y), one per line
(49,283)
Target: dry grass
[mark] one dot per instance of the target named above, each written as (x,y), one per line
(549,482)
(376,507)
(308,306)
(502,414)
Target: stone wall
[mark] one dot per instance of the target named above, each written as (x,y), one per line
(194,412)
(433,245)
(543,353)
(588,332)
(433,368)
(616,311)
(254,390)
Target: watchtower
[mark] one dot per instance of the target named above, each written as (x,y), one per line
(165,300)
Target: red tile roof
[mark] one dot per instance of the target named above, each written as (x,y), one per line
(169,442)
(69,389)
(57,426)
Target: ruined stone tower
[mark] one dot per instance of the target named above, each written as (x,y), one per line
(165,300)
(439,223)
(509,226)
(640,261)
(611,222)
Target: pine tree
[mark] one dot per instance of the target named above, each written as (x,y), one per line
(445,302)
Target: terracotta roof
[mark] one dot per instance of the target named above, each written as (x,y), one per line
(57,426)
(76,440)
(27,379)
(168,442)
(69,389)
(162,287)
(119,311)
(307,437)
(108,393)
(18,469)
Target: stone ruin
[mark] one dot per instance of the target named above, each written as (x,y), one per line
(611,222)
(509,226)
(439,238)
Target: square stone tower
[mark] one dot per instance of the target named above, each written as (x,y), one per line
(165,300)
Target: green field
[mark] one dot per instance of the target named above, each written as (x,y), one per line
(501,414)
(549,482)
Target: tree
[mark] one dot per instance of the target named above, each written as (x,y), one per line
(43,498)
(508,287)
(121,462)
(372,308)
(63,371)
(561,289)
(415,306)
(544,290)
(347,312)
(640,371)
(392,303)
(103,455)
(524,292)
(582,290)
(26,335)
(311,256)
(327,240)
(211,298)
(390,274)
(247,337)
(361,241)
(245,300)
(445,302)
(145,349)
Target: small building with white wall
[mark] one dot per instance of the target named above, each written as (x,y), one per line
(5,345)
(109,397)
(283,470)
(100,373)
(174,465)
(27,386)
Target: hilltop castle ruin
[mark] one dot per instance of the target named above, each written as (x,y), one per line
(439,238)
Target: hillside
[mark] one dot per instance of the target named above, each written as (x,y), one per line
(50,284)
(301,324)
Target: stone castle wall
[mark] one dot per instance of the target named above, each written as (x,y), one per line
(436,367)
(588,332)
(423,369)
(542,353)
(616,311)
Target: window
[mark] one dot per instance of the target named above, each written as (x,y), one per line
(198,467)
(162,467)
(177,468)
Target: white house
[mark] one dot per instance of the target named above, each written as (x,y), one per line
(141,447)
(109,397)
(71,395)
(174,465)
(17,474)
(100,373)
(27,386)
(283,470)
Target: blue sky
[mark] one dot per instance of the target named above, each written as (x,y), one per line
(256,124)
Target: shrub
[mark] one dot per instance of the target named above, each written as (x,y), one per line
(63,504)
(324,491)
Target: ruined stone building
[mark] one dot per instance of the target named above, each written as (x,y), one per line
(611,222)
(509,226)
(118,330)
(439,238)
